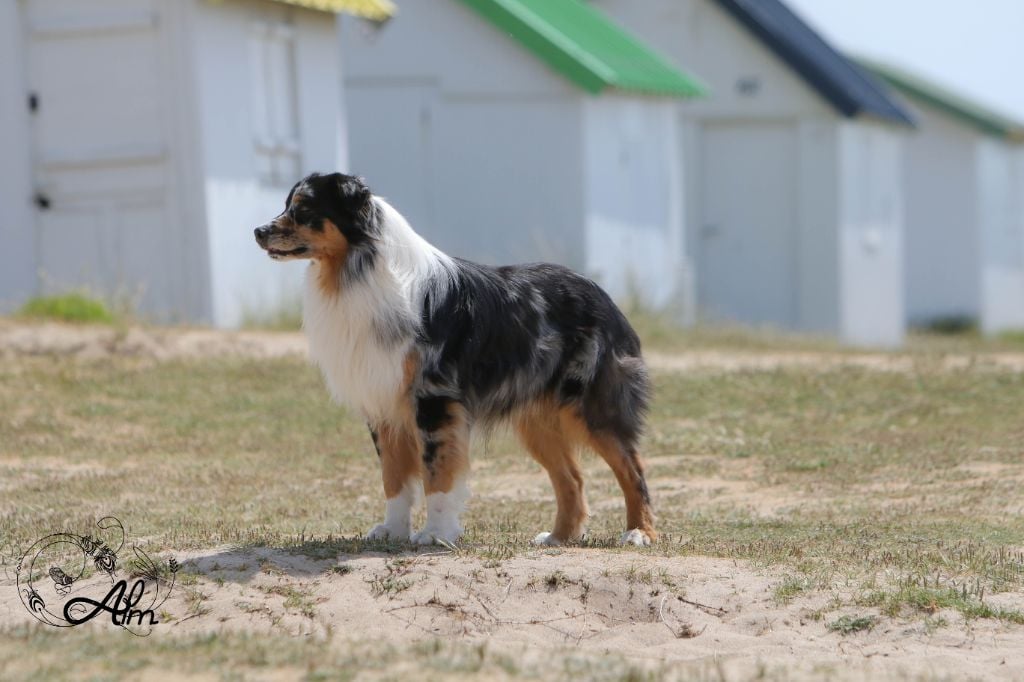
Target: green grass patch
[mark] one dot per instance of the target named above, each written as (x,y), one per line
(1013,337)
(930,600)
(71,307)
(791,587)
(847,625)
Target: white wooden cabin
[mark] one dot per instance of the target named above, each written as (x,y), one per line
(964,176)
(793,170)
(144,139)
(511,131)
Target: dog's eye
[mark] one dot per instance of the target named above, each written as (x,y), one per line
(302,216)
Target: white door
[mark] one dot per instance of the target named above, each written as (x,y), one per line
(99,99)
(747,236)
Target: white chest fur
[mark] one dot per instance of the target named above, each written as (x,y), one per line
(361,372)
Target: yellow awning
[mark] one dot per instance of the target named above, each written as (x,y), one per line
(378,10)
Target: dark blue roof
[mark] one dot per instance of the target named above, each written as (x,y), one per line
(849,89)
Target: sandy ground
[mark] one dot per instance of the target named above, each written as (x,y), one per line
(708,612)
(715,613)
(169,343)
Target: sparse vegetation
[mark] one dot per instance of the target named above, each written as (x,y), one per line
(296,598)
(931,600)
(394,580)
(952,325)
(1013,337)
(894,494)
(847,625)
(283,316)
(71,307)
(791,587)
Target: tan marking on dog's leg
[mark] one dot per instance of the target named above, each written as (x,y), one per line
(399,457)
(445,473)
(628,470)
(398,448)
(542,435)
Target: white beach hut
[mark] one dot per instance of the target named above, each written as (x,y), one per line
(522,130)
(793,170)
(143,140)
(964,178)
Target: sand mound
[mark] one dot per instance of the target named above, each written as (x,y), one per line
(641,607)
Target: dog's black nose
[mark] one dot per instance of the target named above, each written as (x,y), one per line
(261,235)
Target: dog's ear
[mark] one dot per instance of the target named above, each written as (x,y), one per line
(353,192)
(349,205)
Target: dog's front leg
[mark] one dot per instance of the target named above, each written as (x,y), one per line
(444,435)
(399,455)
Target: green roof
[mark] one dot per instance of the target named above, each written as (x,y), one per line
(583,45)
(954,104)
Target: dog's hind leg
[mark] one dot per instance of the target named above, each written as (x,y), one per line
(625,463)
(542,435)
(444,435)
(398,450)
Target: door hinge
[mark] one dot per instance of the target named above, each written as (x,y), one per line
(33,102)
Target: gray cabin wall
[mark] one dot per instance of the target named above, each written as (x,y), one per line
(18,261)
(1000,183)
(473,139)
(104,155)
(943,236)
(871,248)
(244,281)
(754,96)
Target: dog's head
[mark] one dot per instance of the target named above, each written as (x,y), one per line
(324,217)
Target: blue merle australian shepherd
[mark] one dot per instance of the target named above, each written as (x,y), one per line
(426,347)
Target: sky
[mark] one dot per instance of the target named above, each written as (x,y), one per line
(972,46)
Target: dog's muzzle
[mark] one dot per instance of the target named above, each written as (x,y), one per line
(262,235)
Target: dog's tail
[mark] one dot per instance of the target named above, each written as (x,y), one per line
(618,398)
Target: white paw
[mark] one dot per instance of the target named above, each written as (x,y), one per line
(635,537)
(547,540)
(437,536)
(383,531)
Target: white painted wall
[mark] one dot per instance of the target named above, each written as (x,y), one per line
(243,279)
(17,219)
(1001,225)
(871,234)
(633,189)
(943,242)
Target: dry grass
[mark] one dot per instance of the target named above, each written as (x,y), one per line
(897,492)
